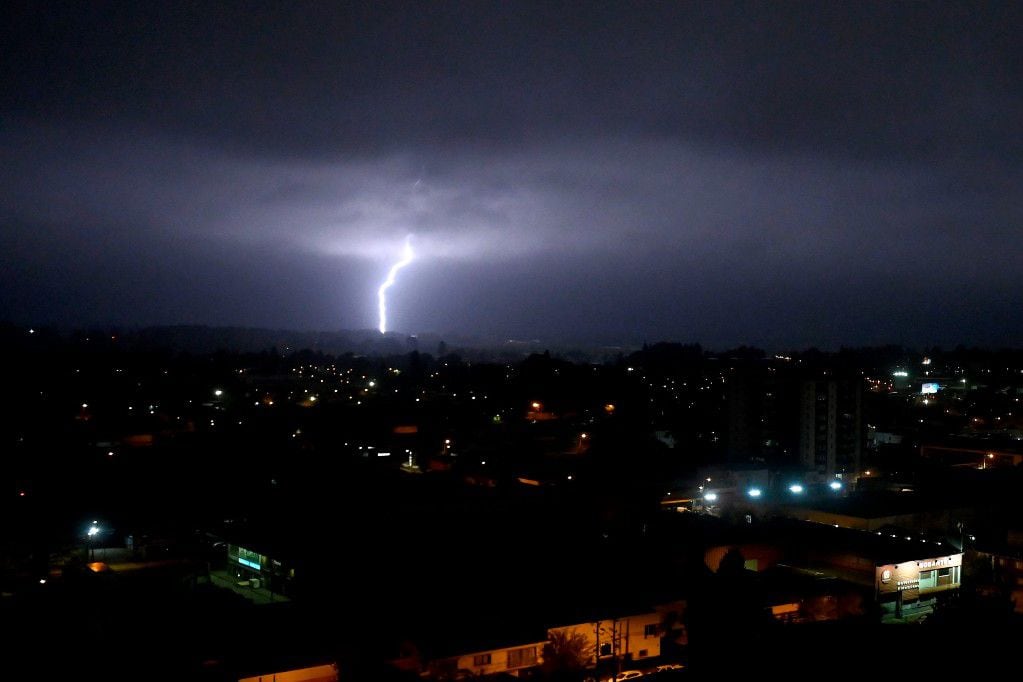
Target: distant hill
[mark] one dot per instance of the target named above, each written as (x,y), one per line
(201,339)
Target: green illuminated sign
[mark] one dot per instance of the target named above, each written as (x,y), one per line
(249,558)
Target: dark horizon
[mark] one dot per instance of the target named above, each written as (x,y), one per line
(203,338)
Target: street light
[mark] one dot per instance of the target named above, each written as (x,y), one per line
(92,533)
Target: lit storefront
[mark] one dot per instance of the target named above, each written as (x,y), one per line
(253,565)
(917,581)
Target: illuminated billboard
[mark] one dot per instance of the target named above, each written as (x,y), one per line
(929,387)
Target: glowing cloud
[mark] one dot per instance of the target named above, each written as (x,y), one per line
(406,257)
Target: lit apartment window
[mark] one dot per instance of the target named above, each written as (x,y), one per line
(481,659)
(518,658)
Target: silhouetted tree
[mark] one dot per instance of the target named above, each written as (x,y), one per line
(565,655)
(726,614)
(733,565)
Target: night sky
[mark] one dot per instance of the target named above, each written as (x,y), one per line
(783,174)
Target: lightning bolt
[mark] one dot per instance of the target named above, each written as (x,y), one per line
(407,255)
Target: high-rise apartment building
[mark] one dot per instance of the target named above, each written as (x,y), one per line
(831,425)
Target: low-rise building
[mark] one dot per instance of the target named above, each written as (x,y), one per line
(880,511)
(898,570)
(902,569)
(510,659)
(611,640)
(627,637)
(268,571)
(313,673)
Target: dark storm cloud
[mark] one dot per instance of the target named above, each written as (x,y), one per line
(321,77)
(719,171)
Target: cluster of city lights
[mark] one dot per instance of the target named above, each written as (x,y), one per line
(756,492)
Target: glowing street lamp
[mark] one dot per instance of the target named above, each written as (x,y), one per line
(795,489)
(91,536)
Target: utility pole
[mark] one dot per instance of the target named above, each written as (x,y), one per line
(628,623)
(616,646)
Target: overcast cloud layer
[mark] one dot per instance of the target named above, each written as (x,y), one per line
(781,174)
